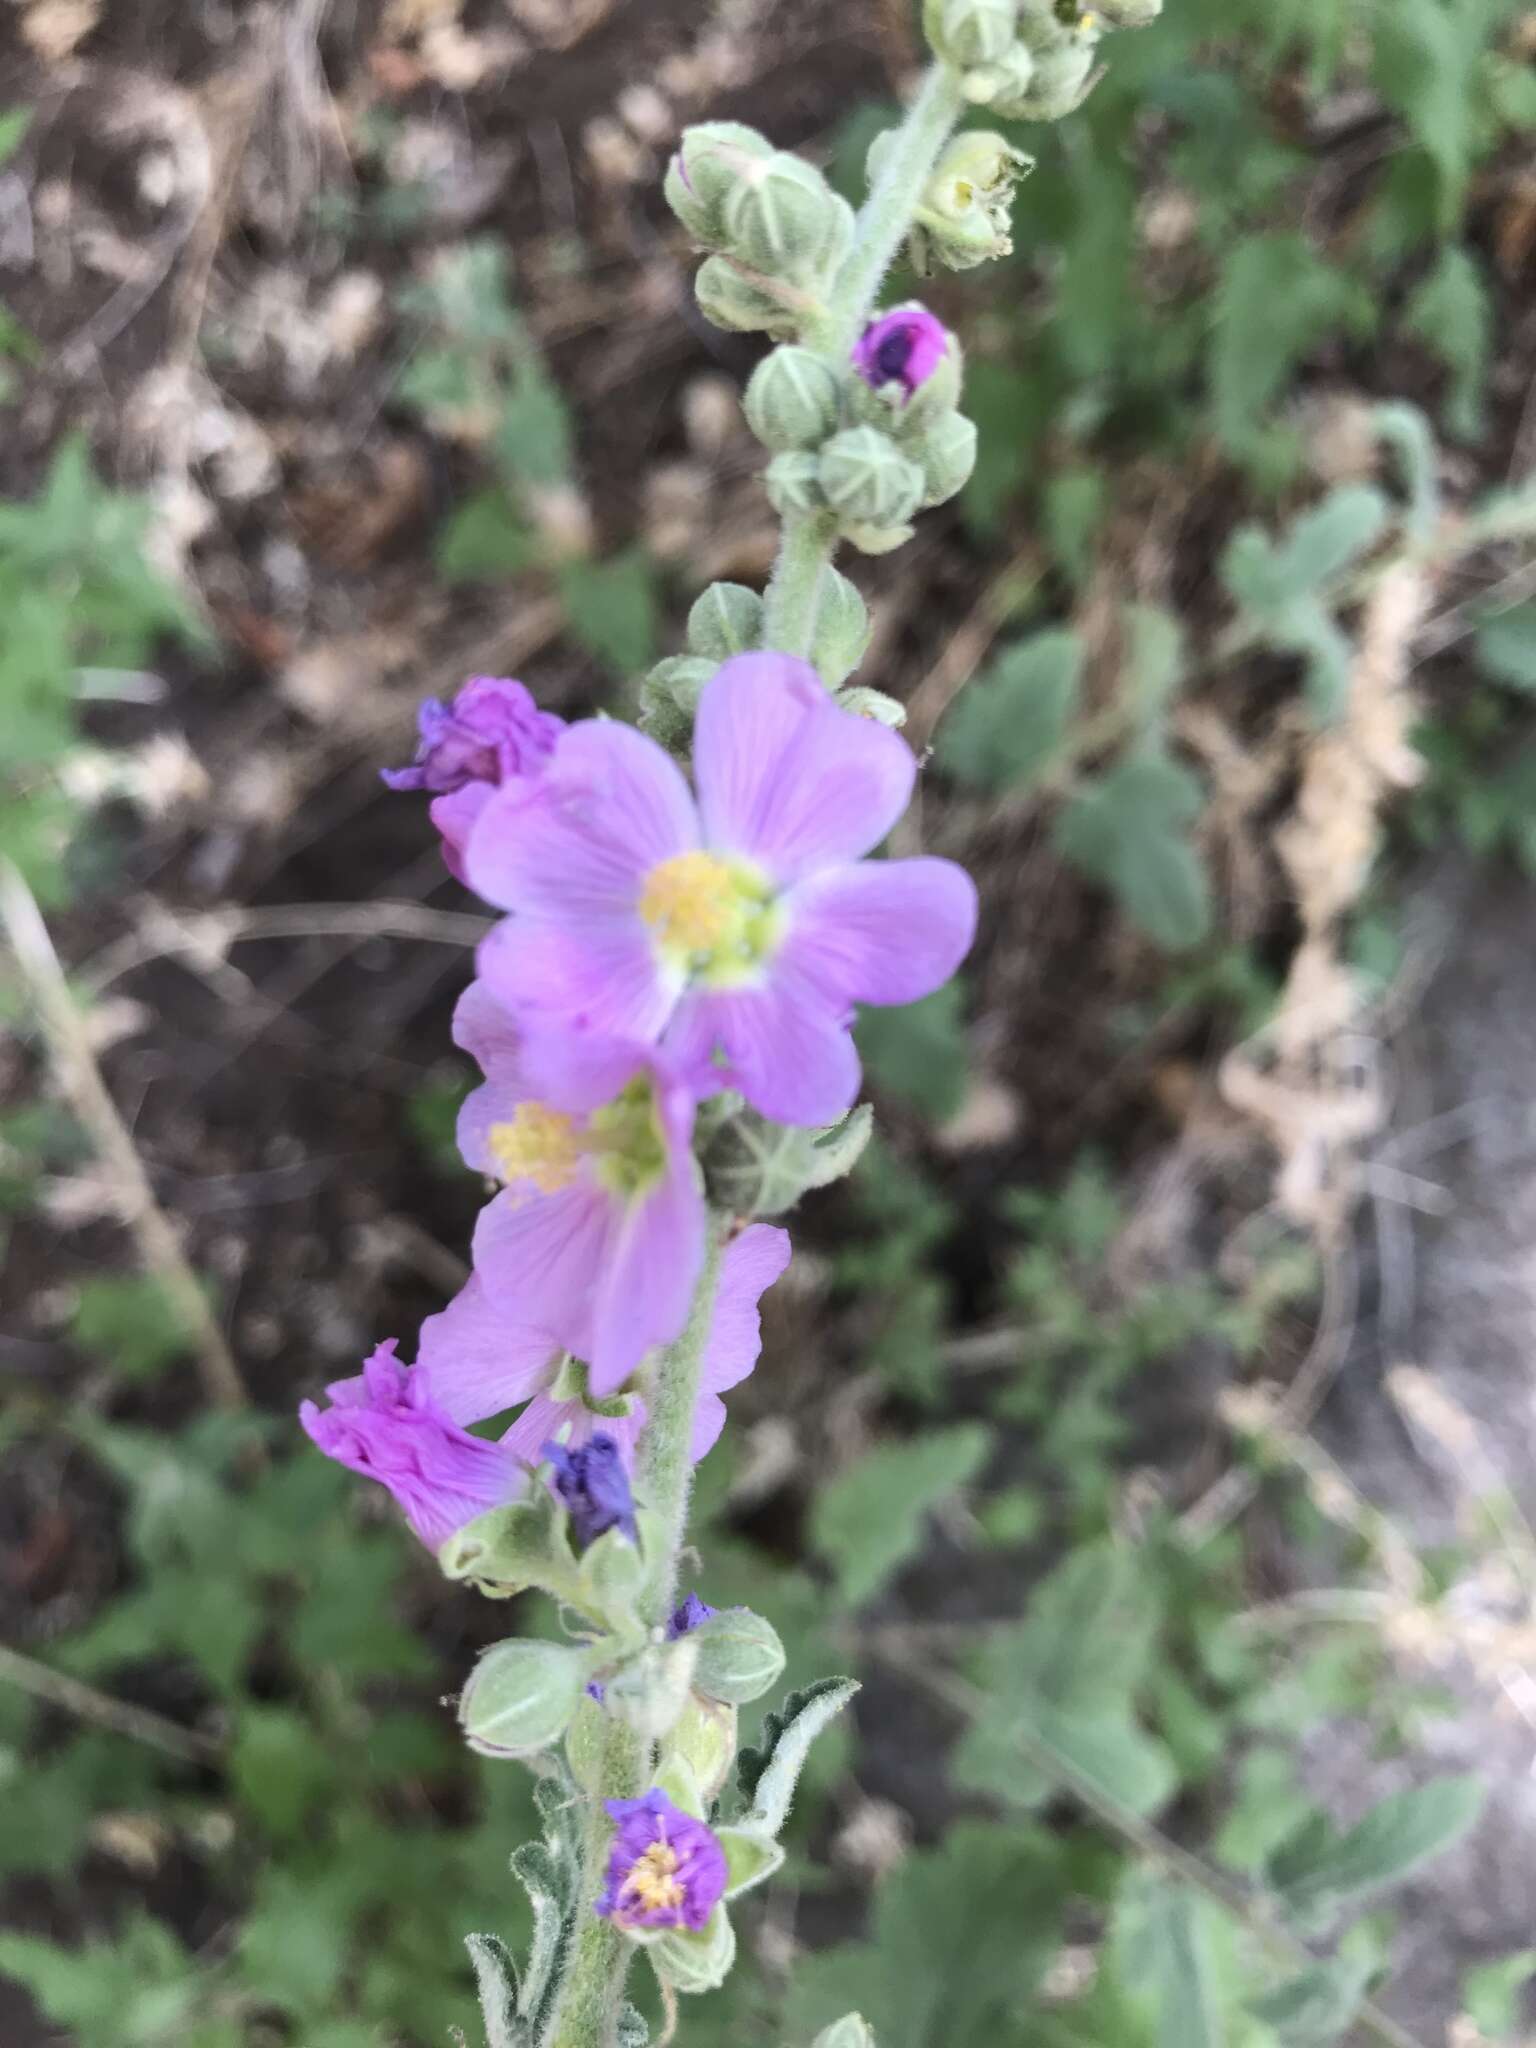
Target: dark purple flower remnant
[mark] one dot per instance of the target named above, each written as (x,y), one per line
(492,733)
(593,1484)
(902,347)
(664,1870)
(693,1613)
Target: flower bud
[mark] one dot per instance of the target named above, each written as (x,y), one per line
(650,1690)
(966,32)
(792,399)
(729,300)
(793,483)
(851,2031)
(1128,13)
(1061,82)
(726,619)
(1002,84)
(521,1696)
(841,635)
(711,158)
(669,697)
(873,704)
(948,455)
(868,480)
(696,1962)
(907,370)
(781,217)
(740,1656)
(875,540)
(705,1737)
(965,214)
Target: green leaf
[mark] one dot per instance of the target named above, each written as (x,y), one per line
(1491,1993)
(1072,509)
(1506,646)
(1277,297)
(1161,1946)
(767,1775)
(750,1857)
(496,1981)
(1427,57)
(134,1991)
(14,123)
(1314,2008)
(1154,660)
(534,439)
(918,1051)
(610,607)
(486,539)
(1451,314)
(1318,1867)
(279,1770)
(130,1323)
(1008,725)
(1128,831)
(1267,577)
(869,1520)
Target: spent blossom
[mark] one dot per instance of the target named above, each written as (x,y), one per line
(493,733)
(665,1869)
(740,928)
(593,1486)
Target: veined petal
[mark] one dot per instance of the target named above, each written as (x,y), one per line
(486,1029)
(782,1046)
(648,1278)
(886,931)
(578,1071)
(541,1257)
(477,1361)
(603,978)
(788,779)
(751,1264)
(545,1420)
(575,845)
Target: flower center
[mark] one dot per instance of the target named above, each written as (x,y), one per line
(710,918)
(626,1140)
(651,1882)
(540,1144)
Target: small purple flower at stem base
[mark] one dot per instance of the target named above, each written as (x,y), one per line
(664,1870)
(594,1486)
(493,733)
(902,347)
(386,1425)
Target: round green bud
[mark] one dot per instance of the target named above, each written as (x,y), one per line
(868,480)
(841,635)
(999,85)
(729,300)
(793,483)
(704,1736)
(875,704)
(521,1696)
(781,217)
(966,32)
(710,159)
(948,456)
(740,1656)
(792,399)
(726,619)
(851,2031)
(695,1962)
(1060,83)
(875,540)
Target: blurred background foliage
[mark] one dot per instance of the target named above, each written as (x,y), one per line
(1262,347)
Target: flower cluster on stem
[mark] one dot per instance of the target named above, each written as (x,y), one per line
(694,912)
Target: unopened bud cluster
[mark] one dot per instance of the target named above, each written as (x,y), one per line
(1028,60)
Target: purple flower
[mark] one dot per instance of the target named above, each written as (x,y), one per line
(493,733)
(664,1870)
(385,1424)
(597,1237)
(481,1359)
(741,929)
(902,347)
(693,1613)
(594,1486)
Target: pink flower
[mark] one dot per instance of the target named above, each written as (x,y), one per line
(598,1234)
(902,347)
(738,930)
(385,1424)
(494,733)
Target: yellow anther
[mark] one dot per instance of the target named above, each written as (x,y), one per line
(540,1144)
(651,1883)
(691,902)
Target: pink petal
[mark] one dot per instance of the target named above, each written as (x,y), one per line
(708,1422)
(476,1361)
(576,845)
(886,931)
(455,815)
(578,1071)
(751,1264)
(485,1028)
(648,1278)
(787,778)
(543,1420)
(540,1258)
(782,1046)
(601,977)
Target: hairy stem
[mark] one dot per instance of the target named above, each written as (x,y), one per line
(592,1996)
(810,539)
